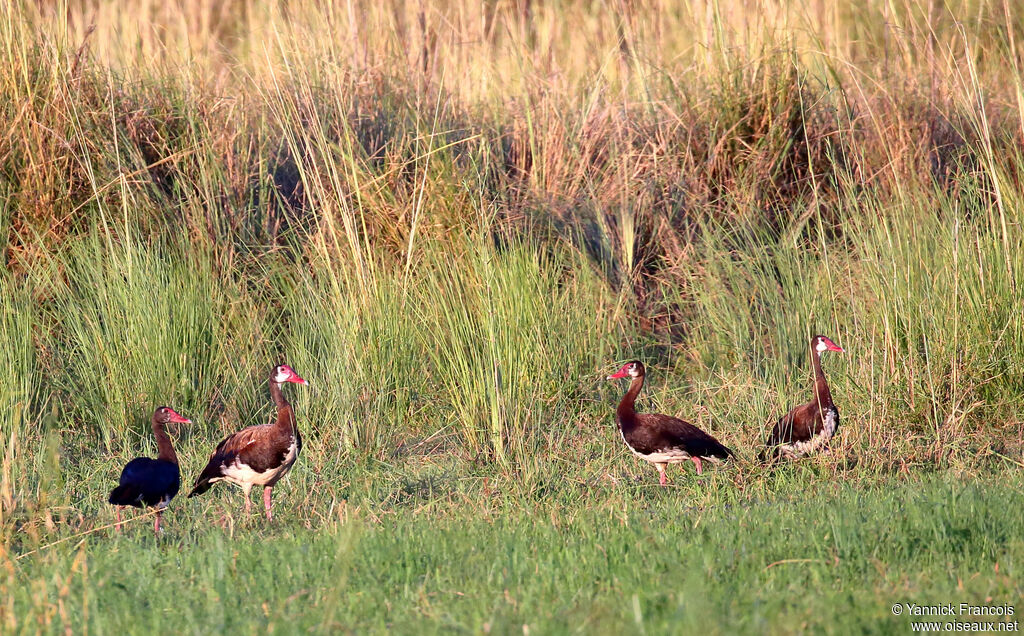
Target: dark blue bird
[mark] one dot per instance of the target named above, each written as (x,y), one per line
(151,482)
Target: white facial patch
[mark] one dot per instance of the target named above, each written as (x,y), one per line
(281,375)
(821,347)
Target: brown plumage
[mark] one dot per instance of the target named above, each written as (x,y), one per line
(808,427)
(661,439)
(258,455)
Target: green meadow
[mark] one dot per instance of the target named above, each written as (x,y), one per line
(455,219)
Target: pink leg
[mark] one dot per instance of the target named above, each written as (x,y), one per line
(696,462)
(266,501)
(118,524)
(247,504)
(156,523)
(661,474)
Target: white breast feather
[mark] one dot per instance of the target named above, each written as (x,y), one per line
(800,449)
(668,456)
(241,474)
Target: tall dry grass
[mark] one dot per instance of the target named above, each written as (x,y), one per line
(458,215)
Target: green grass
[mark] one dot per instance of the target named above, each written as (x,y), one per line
(587,556)
(455,219)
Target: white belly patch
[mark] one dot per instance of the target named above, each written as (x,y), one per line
(242,474)
(668,456)
(801,449)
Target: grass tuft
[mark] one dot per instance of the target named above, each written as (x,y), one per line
(455,219)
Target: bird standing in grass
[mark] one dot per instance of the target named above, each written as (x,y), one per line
(661,439)
(151,482)
(808,427)
(258,455)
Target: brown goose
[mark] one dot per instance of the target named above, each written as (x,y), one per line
(151,482)
(661,439)
(258,455)
(808,427)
